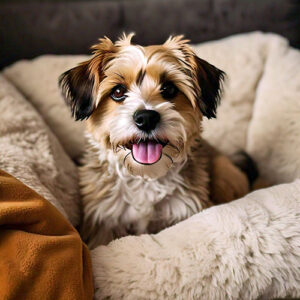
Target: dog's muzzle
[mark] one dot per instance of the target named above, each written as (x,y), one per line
(147,151)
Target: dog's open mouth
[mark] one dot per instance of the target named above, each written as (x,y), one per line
(147,152)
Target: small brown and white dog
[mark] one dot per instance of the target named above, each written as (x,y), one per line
(146,166)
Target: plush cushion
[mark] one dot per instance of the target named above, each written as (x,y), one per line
(274,133)
(247,249)
(38,82)
(30,152)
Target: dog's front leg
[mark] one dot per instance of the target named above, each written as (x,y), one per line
(228,182)
(101,234)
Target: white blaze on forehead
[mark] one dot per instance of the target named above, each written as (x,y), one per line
(149,88)
(130,56)
(136,98)
(146,92)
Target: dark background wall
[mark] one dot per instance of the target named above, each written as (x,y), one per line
(31,28)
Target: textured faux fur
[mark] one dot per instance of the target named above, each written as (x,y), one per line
(30,152)
(247,249)
(43,96)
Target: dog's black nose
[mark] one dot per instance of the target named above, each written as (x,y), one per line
(146,120)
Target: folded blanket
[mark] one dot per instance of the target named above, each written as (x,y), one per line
(40,258)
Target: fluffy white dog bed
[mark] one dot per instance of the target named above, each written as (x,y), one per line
(246,249)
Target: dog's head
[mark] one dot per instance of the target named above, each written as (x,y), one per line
(144,105)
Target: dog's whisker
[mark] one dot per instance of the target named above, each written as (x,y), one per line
(156,139)
(173,146)
(126,157)
(169,157)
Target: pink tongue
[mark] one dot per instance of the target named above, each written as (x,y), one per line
(148,152)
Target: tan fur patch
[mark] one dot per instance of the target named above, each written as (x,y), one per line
(98,123)
(103,52)
(192,116)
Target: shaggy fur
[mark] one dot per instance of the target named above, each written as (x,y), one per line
(120,195)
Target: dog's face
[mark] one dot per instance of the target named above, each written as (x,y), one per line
(144,105)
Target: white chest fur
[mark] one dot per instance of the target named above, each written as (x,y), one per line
(117,203)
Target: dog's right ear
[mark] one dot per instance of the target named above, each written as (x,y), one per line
(77,86)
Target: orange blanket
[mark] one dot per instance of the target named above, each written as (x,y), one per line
(41,254)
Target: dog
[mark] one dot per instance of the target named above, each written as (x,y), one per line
(146,166)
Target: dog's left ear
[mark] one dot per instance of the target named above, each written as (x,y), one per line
(208,82)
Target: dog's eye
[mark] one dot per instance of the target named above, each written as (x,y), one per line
(168,90)
(118,93)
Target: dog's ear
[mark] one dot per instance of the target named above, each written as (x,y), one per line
(77,88)
(209,83)
(206,79)
(79,85)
